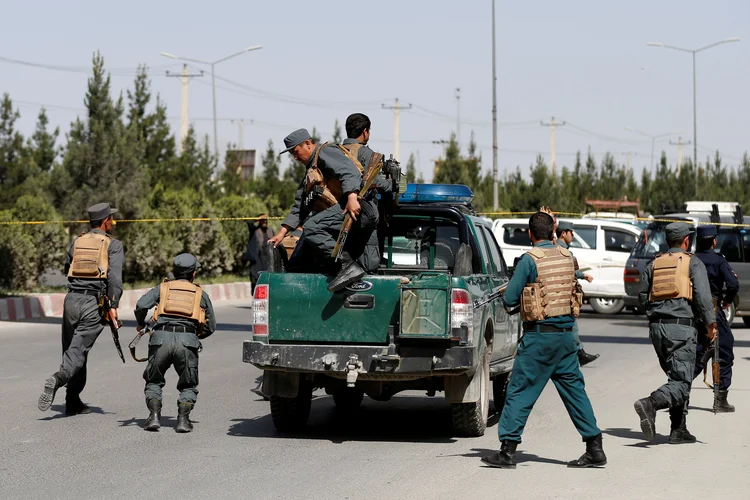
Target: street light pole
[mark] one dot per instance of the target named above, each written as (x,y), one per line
(695,114)
(213,81)
(495,204)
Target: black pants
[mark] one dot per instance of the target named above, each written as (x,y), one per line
(726,352)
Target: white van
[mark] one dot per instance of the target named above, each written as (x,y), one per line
(602,248)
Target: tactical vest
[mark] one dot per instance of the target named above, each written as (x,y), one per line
(182,299)
(556,291)
(329,190)
(354,148)
(90,256)
(671,277)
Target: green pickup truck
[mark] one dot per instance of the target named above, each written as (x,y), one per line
(426,320)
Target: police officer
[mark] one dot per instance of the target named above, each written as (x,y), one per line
(564,239)
(330,190)
(259,237)
(672,329)
(720,274)
(184,315)
(548,348)
(94,267)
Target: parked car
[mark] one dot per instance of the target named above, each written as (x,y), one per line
(602,248)
(733,242)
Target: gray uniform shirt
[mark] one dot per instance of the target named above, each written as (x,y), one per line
(112,286)
(151,299)
(680,308)
(364,155)
(332,162)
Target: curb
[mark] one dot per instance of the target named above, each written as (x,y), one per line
(50,305)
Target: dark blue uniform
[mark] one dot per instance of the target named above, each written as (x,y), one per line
(720,275)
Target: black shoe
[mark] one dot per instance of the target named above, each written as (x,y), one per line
(183,418)
(721,405)
(50,389)
(76,407)
(594,456)
(646,410)
(505,458)
(154,417)
(681,436)
(585,358)
(350,272)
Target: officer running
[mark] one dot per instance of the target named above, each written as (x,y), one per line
(564,239)
(672,285)
(329,190)
(94,267)
(548,348)
(183,316)
(720,275)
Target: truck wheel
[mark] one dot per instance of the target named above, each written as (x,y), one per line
(500,390)
(470,419)
(291,414)
(348,399)
(607,306)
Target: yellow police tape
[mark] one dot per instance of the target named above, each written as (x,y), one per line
(209,219)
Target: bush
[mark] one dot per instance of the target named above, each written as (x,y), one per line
(238,232)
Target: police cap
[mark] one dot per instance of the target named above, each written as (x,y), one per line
(707,232)
(564,226)
(295,139)
(100,211)
(677,231)
(184,265)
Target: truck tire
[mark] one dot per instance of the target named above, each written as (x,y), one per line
(500,390)
(470,419)
(291,414)
(607,306)
(348,399)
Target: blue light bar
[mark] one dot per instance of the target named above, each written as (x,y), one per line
(436,193)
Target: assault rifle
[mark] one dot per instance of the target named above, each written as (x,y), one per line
(369,179)
(113,327)
(712,354)
(495,294)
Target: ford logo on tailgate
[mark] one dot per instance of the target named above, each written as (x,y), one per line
(359,286)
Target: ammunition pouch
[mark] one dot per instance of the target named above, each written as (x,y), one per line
(532,302)
(576,301)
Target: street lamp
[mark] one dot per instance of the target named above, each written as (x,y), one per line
(653,141)
(213,80)
(695,128)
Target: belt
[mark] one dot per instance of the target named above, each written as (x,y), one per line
(533,327)
(177,328)
(86,292)
(674,321)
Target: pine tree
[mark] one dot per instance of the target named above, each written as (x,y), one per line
(336,132)
(411,169)
(13,171)
(42,144)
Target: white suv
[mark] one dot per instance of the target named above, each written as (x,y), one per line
(602,248)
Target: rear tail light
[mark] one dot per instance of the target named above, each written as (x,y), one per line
(462,316)
(260,310)
(631,276)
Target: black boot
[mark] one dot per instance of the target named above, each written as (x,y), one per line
(153,423)
(594,456)
(679,434)
(585,358)
(721,405)
(183,417)
(505,458)
(646,409)
(349,273)
(75,406)
(51,385)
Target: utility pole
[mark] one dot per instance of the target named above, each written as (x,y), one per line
(628,154)
(241,124)
(184,123)
(397,107)
(679,145)
(458,117)
(495,203)
(552,125)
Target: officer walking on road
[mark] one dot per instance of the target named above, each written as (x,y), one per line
(564,239)
(330,190)
(720,274)
(94,267)
(548,348)
(670,283)
(184,315)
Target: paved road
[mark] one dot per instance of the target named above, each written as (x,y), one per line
(399,449)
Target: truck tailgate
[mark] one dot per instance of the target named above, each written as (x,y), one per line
(301,309)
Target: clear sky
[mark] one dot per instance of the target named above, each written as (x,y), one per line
(582,61)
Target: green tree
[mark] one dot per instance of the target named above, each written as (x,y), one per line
(13,165)
(42,144)
(337,132)
(411,169)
